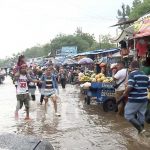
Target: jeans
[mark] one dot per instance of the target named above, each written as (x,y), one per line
(133,110)
(63,83)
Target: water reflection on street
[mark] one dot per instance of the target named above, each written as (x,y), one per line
(80,127)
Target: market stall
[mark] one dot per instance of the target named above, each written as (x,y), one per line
(142,42)
(100,88)
(137,39)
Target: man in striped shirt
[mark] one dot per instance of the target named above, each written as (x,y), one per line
(135,109)
(49,87)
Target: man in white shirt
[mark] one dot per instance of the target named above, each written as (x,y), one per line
(121,79)
(22,92)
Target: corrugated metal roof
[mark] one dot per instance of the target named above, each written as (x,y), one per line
(94,52)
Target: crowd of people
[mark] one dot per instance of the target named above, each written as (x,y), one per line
(29,78)
(130,93)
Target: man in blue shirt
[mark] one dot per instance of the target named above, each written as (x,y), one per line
(135,109)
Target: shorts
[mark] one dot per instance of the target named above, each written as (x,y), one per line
(22,99)
(49,93)
(118,95)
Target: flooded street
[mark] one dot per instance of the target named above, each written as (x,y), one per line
(80,127)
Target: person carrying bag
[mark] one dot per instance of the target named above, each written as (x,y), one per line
(120,78)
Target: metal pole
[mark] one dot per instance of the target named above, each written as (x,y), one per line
(135,53)
(100,41)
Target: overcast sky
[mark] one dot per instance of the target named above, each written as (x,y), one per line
(26,23)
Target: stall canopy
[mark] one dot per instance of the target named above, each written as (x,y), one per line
(95,52)
(126,33)
(142,27)
(118,54)
(139,28)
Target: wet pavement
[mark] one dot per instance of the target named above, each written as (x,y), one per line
(80,127)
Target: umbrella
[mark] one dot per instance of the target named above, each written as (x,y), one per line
(85,61)
(69,62)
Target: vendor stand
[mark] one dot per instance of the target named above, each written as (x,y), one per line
(138,38)
(142,39)
(101,89)
(104,94)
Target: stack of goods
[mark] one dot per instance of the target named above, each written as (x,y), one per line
(96,78)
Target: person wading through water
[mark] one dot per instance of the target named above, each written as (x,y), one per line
(137,91)
(120,78)
(22,91)
(62,77)
(49,87)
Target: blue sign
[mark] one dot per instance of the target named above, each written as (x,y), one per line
(69,50)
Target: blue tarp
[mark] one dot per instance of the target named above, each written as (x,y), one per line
(94,52)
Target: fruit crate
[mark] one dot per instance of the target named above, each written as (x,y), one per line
(104,93)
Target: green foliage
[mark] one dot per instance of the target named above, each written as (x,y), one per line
(128,10)
(136,3)
(123,14)
(83,41)
(105,42)
(139,8)
(37,51)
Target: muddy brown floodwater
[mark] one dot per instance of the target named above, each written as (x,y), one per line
(80,127)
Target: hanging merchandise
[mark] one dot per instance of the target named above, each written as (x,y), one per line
(141,47)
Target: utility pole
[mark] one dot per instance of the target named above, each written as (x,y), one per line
(123,14)
(100,41)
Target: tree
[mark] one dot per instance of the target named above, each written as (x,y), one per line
(123,14)
(128,10)
(136,3)
(78,31)
(68,40)
(139,8)
(84,42)
(46,49)
(88,37)
(105,42)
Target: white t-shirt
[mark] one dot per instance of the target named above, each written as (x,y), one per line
(120,76)
(22,87)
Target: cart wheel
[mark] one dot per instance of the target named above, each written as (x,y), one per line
(109,105)
(88,100)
